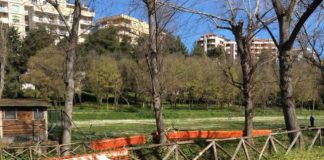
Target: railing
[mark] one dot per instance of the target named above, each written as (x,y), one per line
(238,148)
(260,147)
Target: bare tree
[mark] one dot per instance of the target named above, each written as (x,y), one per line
(288,31)
(243,24)
(311,41)
(153,63)
(69,70)
(3,56)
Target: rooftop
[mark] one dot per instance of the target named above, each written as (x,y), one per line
(120,16)
(23,103)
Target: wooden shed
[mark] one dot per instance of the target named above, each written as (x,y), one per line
(23,120)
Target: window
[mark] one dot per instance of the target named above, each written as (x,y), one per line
(15,8)
(10,114)
(38,114)
(15,19)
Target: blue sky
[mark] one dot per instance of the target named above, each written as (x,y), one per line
(188,27)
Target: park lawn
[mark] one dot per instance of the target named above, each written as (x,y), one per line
(315,154)
(88,112)
(93,122)
(115,128)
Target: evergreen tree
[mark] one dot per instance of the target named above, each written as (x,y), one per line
(217,52)
(103,41)
(36,40)
(15,65)
(198,50)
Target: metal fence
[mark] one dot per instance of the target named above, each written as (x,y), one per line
(260,147)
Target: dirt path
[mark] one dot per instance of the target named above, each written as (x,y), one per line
(178,121)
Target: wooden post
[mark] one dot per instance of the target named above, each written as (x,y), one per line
(320,136)
(1,154)
(170,152)
(264,147)
(237,150)
(222,149)
(315,138)
(204,150)
(273,145)
(293,142)
(1,125)
(278,142)
(30,153)
(215,151)
(245,150)
(176,152)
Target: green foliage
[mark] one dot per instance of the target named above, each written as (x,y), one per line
(45,71)
(174,45)
(217,52)
(104,77)
(266,90)
(36,40)
(198,50)
(104,41)
(16,64)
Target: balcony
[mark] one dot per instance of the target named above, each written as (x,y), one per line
(4,20)
(3,9)
(86,22)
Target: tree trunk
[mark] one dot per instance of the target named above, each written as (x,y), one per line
(247,99)
(287,99)
(152,60)
(69,79)
(3,58)
(244,51)
(2,71)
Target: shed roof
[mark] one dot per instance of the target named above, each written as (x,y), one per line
(23,103)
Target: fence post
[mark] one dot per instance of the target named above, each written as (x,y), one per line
(320,136)
(30,153)
(237,150)
(245,150)
(264,147)
(293,142)
(273,145)
(58,150)
(215,151)
(315,138)
(1,154)
(176,152)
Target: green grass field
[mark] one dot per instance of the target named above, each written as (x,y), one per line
(93,122)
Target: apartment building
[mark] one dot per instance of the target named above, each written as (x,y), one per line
(261,45)
(209,41)
(28,14)
(127,26)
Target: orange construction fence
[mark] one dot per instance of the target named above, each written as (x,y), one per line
(106,144)
(190,135)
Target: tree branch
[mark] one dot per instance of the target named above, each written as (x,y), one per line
(269,31)
(310,9)
(55,4)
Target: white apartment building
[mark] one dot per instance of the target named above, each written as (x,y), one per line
(27,14)
(127,26)
(260,45)
(209,41)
